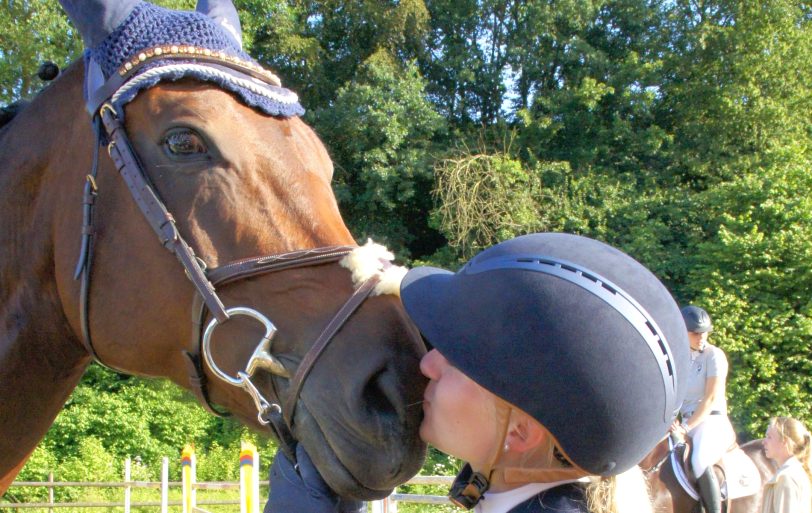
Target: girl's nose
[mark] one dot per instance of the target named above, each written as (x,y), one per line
(431,364)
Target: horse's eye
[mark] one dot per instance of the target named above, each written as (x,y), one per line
(184,142)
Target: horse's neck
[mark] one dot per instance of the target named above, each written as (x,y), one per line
(41,360)
(40,364)
(40,187)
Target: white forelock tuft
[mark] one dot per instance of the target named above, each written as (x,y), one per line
(390,281)
(373,259)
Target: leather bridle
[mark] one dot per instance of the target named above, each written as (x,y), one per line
(110,131)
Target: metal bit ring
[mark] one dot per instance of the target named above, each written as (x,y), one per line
(260,359)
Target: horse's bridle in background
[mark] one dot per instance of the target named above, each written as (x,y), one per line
(109,129)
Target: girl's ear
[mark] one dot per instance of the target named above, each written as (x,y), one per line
(523,433)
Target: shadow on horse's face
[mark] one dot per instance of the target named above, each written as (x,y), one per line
(242,184)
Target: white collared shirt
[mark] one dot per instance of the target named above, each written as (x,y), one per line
(501,502)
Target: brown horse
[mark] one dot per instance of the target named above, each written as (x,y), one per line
(239,184)
(669,496)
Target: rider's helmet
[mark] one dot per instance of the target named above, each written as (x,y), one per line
(697,319)
(570,330)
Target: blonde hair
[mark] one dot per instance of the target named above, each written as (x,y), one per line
(624,493)
(797,439)
(547,462)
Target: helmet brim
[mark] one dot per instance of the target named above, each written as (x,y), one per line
(425,293)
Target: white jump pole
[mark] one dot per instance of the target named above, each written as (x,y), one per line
(127,490)
(165,485)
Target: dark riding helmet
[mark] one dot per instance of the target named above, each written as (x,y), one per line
(697,319)
(572,331)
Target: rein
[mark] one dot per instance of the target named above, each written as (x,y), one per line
(109,129)
(671,447)
(656,467)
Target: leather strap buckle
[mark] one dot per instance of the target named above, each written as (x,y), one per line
(468,488)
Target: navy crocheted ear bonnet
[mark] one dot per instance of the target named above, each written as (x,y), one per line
(177,44)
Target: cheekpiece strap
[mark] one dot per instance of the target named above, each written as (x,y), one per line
(306,365)
(468,488)
(155,211)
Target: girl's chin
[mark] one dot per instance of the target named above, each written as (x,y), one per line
(426,434)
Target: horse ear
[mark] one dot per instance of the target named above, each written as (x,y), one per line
(96,19)
(224,14)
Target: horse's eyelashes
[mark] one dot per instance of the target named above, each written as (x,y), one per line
(184,142)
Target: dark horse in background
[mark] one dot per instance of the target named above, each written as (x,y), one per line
(239,184)
(669,496)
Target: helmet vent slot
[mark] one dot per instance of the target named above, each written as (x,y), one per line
(614,296)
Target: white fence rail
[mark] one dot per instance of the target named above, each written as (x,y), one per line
(387,505)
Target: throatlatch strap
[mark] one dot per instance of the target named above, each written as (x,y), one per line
(85,261)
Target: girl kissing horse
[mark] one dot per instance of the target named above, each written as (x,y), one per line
(202,146)
(670,497)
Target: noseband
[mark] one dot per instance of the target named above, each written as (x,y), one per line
(109,129)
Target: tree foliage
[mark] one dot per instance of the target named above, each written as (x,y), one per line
(380,129)
(110,417)
(31,32)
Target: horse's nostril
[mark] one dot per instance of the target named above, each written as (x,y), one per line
(380,395)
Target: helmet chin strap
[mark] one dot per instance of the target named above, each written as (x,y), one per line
(543,464)
(470,485)
(521,476)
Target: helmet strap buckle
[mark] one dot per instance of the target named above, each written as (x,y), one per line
(468,488)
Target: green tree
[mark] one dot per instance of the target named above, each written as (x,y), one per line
(587,81)
(755,279)
(32,32)
(150,419)
(466,58)
(318,46)
(380,129)
(736,86)
(736,103)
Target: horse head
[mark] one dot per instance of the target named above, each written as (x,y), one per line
(292,325)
